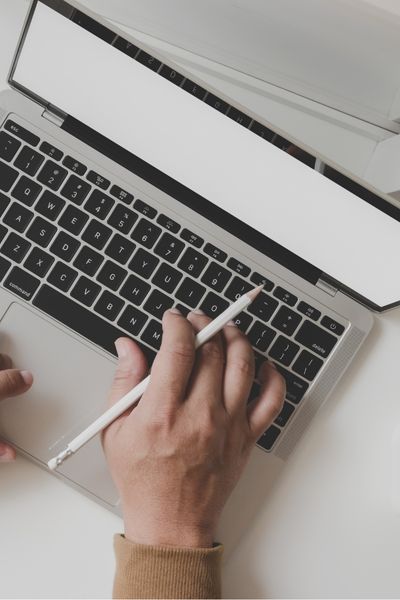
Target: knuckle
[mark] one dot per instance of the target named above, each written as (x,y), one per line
(182,350)
(244,365)
(212,350)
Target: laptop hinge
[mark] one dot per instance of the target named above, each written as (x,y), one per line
(328,288)
(54,115)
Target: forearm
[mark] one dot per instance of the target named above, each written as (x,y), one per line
(166,572)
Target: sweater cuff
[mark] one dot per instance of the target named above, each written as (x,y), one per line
(166,571)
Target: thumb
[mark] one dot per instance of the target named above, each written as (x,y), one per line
(131,369)
(14,382)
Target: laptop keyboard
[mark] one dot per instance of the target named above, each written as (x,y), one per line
(107,264)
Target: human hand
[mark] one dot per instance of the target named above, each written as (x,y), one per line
(12,383)
(176,457)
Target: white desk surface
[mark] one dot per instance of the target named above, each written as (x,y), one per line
(326,529)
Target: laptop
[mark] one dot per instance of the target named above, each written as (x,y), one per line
(126,188)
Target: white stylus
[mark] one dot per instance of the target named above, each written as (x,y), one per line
(135,394)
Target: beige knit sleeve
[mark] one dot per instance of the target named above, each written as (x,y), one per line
(166,572)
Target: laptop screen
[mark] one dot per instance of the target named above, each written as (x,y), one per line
(94,77)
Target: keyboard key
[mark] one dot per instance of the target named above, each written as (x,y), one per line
(15,247)
(316,339)
(99,204)
(167,278)
(62,276)
(261,336)
(192,238)
(309,311)
(146,233)
(126,47)
(152,335)
(237,288)
(332,325)
(192,262)
(145,209)
(38,262)
(157,303)
(285,296)
(242,321)
(111,275)
(73,219)
(122,218)
(215,252)
(21,132)
(143,263)
(96,234)
(3,232)
(98,180)
(88,260)
(4,266)
(18,217)
(284,350)
(285,414)
(148,61)
(9,146)
(307,365)
(295,387)
(64,246)
(121,194)
(49,205)
(135,290)
(239,117)
(263,307)
(268,439)
(26,190)
(4,203)
(52,175)
(194,89)
(171,75)
(168,223)
(74,165)
(212,305)
(216,277)
(133,320)
(41,232)
(169,247)
(286,320)
(258,279)
(8,175)
(120,249)
(262,131)
(239,267)
(191,292)
(217,103)
(86,291)
(29,161)
(51,151)
(21,283)
(109,305)
(183,309)
(75,189)
(85,322)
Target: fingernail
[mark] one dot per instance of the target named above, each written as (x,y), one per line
(27,377)
(120,347)
(198,311)
(231,324)
(5,455)
(175,311)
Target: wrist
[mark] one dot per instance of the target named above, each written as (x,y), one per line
(168,535)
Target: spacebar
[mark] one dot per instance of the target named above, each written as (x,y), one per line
(82,321)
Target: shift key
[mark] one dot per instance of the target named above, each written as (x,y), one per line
(316,339)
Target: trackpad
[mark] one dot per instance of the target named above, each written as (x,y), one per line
(71,381)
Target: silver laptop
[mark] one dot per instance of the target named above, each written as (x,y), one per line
(127,188)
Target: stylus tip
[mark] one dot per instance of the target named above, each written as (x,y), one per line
(254,292)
